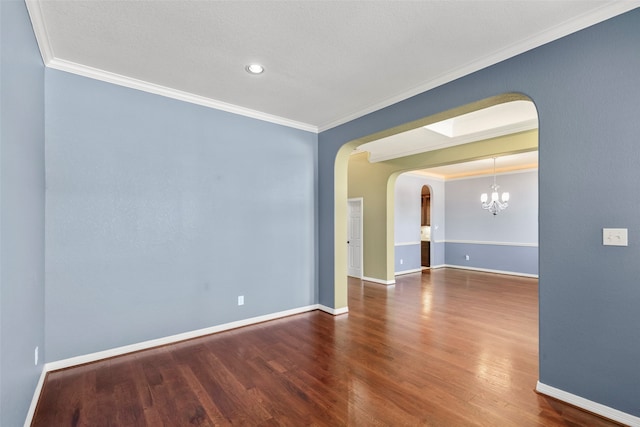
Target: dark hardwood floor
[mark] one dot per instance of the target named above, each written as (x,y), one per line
(445,348)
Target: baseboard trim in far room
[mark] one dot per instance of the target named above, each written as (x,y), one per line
(415,270)
(334,311)
(379,281)
(487,270)
(589,405)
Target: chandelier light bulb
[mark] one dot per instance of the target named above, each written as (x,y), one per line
(484,198)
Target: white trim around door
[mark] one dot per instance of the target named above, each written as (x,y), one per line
(355,237)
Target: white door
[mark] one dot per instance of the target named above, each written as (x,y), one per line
(354,238)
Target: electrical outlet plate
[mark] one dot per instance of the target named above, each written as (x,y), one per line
(241,300)
(615,237)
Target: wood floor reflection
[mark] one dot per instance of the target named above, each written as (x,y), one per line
(445,348)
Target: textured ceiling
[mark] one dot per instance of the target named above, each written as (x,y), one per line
(326,61)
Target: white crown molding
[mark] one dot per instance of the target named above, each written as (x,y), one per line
(576,24)
(595,16)
(50,60)
(40,30)
(588,405)
(132,83)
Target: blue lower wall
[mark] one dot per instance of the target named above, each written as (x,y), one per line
(505,258)
(410,256)
(437,254)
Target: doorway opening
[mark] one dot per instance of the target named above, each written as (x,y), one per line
(473,240)
(354,238)
(425,227)
(359,174)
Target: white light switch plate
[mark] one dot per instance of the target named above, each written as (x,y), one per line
(615,237)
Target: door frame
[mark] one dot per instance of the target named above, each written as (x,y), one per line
(430,247)
(360,202)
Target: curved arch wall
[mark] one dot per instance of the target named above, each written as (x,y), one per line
(586,87)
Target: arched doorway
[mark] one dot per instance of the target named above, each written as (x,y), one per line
(379,251)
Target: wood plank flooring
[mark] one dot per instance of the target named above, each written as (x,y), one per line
(444,348)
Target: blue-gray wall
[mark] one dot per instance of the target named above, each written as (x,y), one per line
(506,242)
(586,88)
(130,147)
(407,219)
(159,214)
(21,212)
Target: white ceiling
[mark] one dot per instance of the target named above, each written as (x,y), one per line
(326,62)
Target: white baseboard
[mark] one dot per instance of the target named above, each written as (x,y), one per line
(564,396)
(487,270)
(334,311)
(588,405)
(415,270)
(380,281)
(36,396)
(118,351)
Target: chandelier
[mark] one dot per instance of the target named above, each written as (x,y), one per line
(494,205)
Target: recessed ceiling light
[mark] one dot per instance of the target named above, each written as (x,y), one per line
(254,69)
